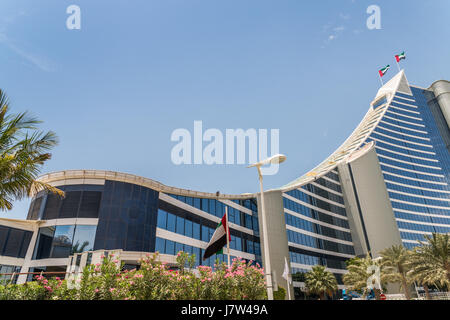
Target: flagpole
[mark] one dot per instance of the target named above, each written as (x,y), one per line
(288,288)
(288,278)
(381,80)
(398,65)
(227,235)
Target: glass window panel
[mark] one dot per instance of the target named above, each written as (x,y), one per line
(25,243)
(238,244)
(250,246)
(160,245)
(248,221)
(70,204)
(44,243)
(171,219)
(178,247)
(3,237)
(162,219)
(237,217)
(90,204)
(13,243)
(62,241)
(196,231)
(205,234)
(180,226)
(52,207)
(231,214)
(197,203)
(205,206)
(34,211)
(170,247)
(219,209)
(212,207)
(188,228)
(84,238)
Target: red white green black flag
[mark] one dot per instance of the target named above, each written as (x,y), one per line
(383,71)
(400,56)
(218,240)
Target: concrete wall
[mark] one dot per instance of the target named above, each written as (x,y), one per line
(353,215)
(276,236)
(376,221)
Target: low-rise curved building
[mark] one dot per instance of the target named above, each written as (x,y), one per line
(386,184)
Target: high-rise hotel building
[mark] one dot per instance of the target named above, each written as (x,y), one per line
(387,184)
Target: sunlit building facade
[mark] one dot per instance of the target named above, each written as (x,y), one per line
(387,184)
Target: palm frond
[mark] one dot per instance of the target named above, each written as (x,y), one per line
(38,186)
(23,151)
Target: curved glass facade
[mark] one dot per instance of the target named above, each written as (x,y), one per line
(317,226)
(403,141)
(414,161)
(131,217)
(14,242)
(62,241)
(187,222)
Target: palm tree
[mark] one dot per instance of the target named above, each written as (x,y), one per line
(79,248)
(430,262)
(421,271)
(23,151)
(319,281)
(395,266)
(359,271)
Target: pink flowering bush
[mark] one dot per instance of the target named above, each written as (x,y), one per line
(241,281)
(153,281)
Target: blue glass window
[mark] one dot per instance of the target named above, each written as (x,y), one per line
(180,226)
(171,221)
(188,228)
(162,219)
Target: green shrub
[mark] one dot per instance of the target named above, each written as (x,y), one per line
(153,281)
(280,294)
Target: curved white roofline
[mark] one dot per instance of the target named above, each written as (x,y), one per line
(83,177)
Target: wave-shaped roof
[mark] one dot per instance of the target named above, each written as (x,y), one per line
(359,135)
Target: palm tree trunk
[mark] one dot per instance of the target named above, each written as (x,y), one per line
(322,296)
(447,267)
(406,288)
(427,292)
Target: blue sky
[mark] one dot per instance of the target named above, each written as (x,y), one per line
(116,89)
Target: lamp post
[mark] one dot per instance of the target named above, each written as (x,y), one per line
(276,159)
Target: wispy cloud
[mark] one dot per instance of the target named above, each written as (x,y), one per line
(335,29)
(333,34)
(38,61)
(344,16)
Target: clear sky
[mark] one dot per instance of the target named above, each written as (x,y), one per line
(137,70)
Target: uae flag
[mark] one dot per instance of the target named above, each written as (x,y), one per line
(218,240)
(400,56)
(383,71)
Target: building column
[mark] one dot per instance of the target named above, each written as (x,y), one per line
(376,225)
(276,237)
(28,256)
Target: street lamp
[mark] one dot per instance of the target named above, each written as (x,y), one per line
(276,159)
